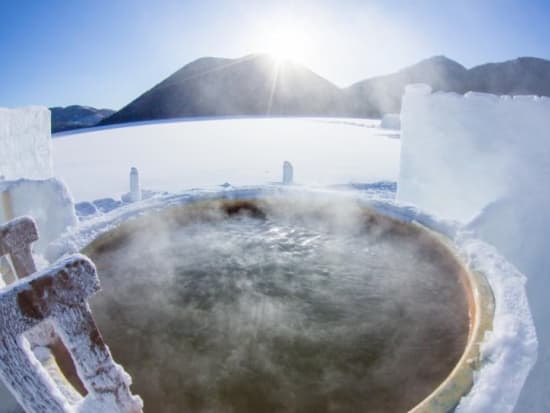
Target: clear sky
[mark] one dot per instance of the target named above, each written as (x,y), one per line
(104,53)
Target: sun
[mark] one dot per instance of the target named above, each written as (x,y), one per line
(287,43)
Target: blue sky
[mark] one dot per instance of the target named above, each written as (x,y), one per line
(105,53)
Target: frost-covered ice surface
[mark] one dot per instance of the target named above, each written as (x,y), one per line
(483,158)
(509,350)
(47,201)
(59,295)
(460,153)
(174,156)
(25,143)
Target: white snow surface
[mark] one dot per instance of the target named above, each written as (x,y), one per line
(25,143)
(174,156)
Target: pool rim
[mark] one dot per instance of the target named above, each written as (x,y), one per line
(481,303)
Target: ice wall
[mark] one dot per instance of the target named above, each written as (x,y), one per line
(459,153)
(47,201)
(486,159)
(25,143)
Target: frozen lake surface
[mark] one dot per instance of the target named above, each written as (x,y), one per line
(180,155)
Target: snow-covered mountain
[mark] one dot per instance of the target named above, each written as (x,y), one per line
(75,117)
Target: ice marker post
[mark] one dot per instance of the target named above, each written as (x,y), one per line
(288,173)
(135,189)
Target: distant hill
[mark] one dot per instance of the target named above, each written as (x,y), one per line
(75,117)
(522,76)
(261,85)
(379,95)
(253,85)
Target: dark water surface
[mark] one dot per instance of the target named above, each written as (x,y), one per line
(253,315)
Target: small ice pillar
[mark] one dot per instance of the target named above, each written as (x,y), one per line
(135,189)
(288,173)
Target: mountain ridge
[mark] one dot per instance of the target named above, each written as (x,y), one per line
(76,117)
(259,84)
(252,85)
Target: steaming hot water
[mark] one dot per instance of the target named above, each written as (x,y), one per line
(275,309)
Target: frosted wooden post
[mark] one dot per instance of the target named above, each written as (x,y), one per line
(288,173)
(55,299)
(135,188)
(16,238)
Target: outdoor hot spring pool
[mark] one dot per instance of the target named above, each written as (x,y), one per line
(280,306)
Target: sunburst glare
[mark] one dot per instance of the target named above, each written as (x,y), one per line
(287,42)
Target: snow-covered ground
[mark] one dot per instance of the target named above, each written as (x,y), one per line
(174,156)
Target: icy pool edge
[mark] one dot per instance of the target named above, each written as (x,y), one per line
(508,352)
(481,302)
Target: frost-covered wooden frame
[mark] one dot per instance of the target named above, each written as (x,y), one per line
(53,303)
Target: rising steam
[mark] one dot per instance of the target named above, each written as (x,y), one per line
(302,308)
